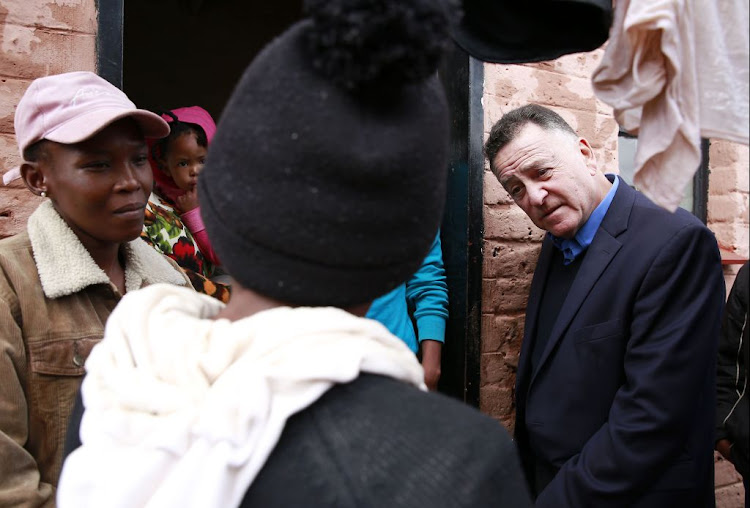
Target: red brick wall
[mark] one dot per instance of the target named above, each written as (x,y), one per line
(728,214)
(37,38)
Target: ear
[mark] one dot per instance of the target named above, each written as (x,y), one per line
(34,177)
(588,154)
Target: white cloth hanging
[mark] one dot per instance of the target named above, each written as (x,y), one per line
(183,410)
(675,71)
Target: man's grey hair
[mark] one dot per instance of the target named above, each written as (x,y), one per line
(508,127)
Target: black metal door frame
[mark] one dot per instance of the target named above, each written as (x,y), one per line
(463,228)
(109,40)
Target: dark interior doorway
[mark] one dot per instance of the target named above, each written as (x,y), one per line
(171,53)
(191,52)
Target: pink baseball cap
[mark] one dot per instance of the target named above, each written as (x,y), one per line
(69,108)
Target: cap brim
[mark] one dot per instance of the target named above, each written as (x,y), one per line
(11,175)
(84,126)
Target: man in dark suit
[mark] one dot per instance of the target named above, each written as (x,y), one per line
(615,391)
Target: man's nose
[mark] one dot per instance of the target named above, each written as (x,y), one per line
(536,194)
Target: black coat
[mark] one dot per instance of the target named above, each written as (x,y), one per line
(732,407)
(619,410)
(378,442)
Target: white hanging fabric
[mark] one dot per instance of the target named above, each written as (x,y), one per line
(675,71)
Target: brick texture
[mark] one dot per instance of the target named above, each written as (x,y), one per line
(37,38)
(728,210)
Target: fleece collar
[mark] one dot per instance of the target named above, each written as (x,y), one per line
(66,267)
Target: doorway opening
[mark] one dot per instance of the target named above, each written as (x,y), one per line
(192,52)
(171,53)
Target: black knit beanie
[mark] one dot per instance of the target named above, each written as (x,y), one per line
(325,181)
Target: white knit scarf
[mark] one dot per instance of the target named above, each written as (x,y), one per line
(183,410)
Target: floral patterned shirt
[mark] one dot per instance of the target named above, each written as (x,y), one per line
(164,230)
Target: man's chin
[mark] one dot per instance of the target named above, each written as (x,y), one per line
(556,224)
(560,230)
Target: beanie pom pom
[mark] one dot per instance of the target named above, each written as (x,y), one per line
(379,43)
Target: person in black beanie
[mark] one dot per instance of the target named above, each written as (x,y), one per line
(342,143)
(323,189)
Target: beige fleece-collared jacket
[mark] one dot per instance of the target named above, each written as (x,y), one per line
(54,303)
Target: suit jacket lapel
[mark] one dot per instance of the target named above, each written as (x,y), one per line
(598,256)
(532,307)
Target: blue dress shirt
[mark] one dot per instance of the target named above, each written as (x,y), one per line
(573,247)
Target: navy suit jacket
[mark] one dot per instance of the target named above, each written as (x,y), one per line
(622,399)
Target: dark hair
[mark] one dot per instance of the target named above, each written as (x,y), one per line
(35,151)
(177,128)
(508,127)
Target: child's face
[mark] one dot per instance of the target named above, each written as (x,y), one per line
(184,160)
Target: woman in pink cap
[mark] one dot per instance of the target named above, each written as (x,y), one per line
(83,144)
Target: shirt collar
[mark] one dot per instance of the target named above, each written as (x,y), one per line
(573,247)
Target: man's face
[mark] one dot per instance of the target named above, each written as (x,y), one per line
(552,176)
(101,186)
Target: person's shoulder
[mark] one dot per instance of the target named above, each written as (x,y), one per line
(153,266)
(645,209)
(657,235)
(177,269)
(16,250)
(17,267)
(379,441)
(743,274)
(16,242)
(661,227)
(740,286)
(394,406)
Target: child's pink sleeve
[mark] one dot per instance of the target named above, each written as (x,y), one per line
(192,219)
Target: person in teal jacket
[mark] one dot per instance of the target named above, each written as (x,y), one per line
(426,296)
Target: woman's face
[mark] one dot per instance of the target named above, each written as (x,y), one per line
(100,186)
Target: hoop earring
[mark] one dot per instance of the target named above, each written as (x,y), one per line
(43,194)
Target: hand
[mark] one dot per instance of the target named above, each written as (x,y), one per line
(188,201)
(724,447)
(431,355)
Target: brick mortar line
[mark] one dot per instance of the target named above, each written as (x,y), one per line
(727,486)
(586,77)
(14,78)
(514,241)
(558,106)
(53,30)
(520,242)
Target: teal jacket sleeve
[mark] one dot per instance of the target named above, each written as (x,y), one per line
(427,295)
